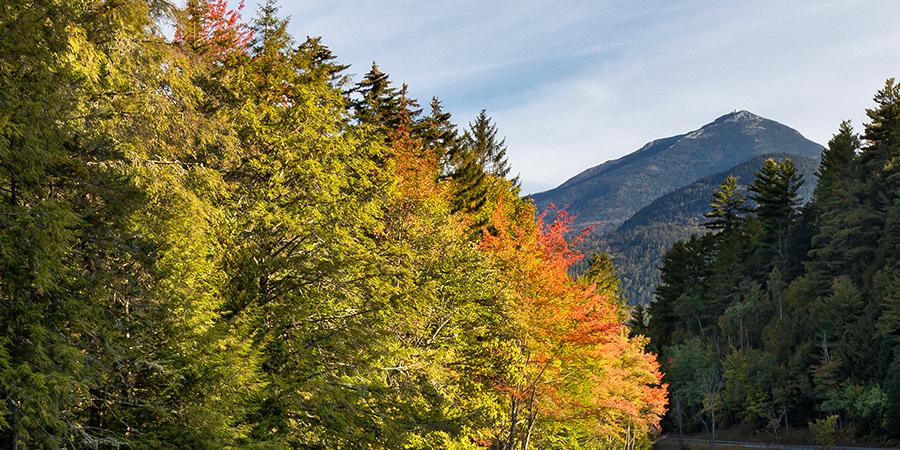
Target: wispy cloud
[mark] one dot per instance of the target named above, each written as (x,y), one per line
(573,84)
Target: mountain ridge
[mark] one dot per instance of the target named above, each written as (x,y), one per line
(606,195)
(638,244)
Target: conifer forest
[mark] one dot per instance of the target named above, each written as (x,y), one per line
(212,236)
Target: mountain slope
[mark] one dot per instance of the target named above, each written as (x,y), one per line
(604,196)
(638,244)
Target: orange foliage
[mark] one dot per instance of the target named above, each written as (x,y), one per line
(582,365)
(415,165)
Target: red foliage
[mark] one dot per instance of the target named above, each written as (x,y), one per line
(582,365)
(553,237)
(215,29)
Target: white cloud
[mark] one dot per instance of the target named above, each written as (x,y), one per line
(573,84)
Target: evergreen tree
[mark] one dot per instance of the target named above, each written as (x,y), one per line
(378,102)
(321,62)
(42,376)
(726,207)
(601,273)
(775,194)
(892,394)
(440,135)
(804,298)
(844,327)
(843,243)
(478,167)
(270,31)
(883,144)
(838,162)
(881,157)
(481,138)
(678,307)
(470,184)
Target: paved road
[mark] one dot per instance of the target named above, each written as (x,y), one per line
(731,444)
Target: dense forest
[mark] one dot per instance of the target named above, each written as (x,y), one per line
(784,315)
(212,237)
(638,244)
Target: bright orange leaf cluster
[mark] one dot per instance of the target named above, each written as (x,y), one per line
(582,366)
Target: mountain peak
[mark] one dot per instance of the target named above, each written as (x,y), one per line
(738,116)
(743,119)
(604,196)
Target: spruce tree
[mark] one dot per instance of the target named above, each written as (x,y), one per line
(842,243)
(439,134)
(838,162)
(882,148)
(881,159)
(322,63)
(490,150)
(726,207)
(270,31)
(678,307)
(602,274)
(376,101)
(774,190)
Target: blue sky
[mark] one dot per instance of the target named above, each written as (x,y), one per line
(572,84)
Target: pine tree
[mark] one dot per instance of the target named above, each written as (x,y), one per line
(775,194)
(476,166)
(377,102)
(683,272)
(728,274)
(270,31)
(842,243)
(490,151)
(601,273)
(727,206)
(881,159)
(838,161)
(440,135)
(882,148)
(470,184)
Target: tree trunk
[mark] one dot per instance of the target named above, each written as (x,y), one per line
(679,419)
(532,414)
(514,417)
(13,424)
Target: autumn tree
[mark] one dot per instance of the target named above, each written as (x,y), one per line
(581,366)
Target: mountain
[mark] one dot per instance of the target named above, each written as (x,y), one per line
(638,244)
(605,196)
(686,205)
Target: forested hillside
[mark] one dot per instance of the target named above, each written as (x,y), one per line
(638,244)
(784,316)
(214,238)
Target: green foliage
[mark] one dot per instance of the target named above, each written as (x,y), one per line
(774,190)
(892,398)
(797,305)
(727,206)
(638,245)
(490,150)
(601,273)
(824,431)
(207,241)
